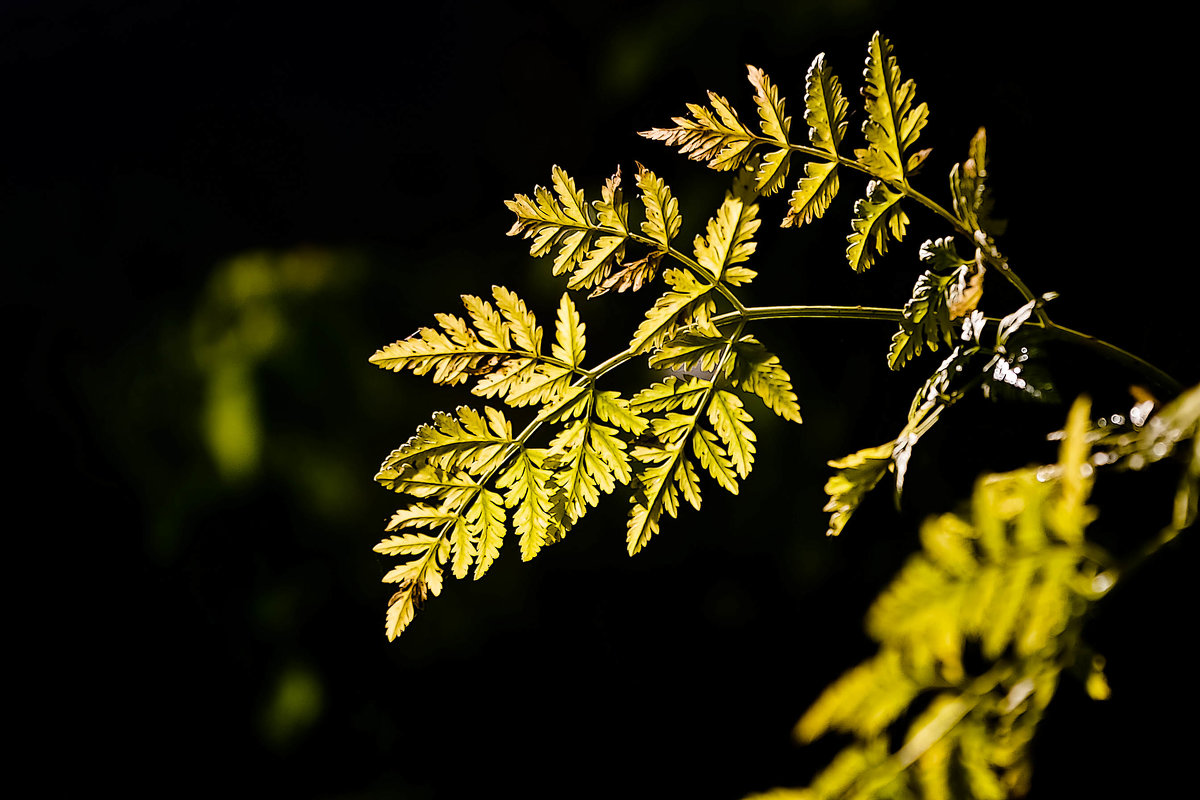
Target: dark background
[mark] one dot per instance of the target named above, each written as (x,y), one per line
(212,214)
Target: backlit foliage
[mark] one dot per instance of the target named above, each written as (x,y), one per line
(1010,579)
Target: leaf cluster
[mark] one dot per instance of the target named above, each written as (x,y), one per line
(1010,580)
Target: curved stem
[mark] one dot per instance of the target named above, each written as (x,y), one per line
(1111,351)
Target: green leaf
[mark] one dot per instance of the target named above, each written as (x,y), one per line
(936,299)
(569,334)
(687,302)
(759,372)
(815,192)
(716,136)
(713,457)
(856,475)
(530,486)
(825,113)
(467,442)
(969,191)
(693,351)
(729,239)
(564,220)
(875,216)
(729,419)
(893,124)
(486,520)
(662,209)
(669,395)
(775,124)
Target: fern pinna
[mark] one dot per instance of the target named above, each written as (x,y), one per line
(475,477)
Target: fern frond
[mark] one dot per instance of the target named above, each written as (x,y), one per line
(759,372)
(485,520)
(856,475)
(969,191)
(730,419)
(669,395)
(531,491)
(503,349)
(418,515)
(632,275)
(875,216)
(687,302)
(611,407)
(662,221)
(864,701)
(893,124)
(1008,577)
(699,350)
(716,136)
(563,219)
(825,113)
(468,442)
(729,239)
(715,459)
(663,472)
(939,296)
(608,250)
(417,579)
(772,172)
(812,197)
(569,334)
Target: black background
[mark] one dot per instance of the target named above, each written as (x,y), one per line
(160,608)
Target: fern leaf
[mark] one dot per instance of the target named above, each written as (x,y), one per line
(563,219)
(450,358)
(632,275)
(488,321)
(712,457)
(825,107)
(856,475)
(522,323)
(875,216)
(939,296)
(569,334)
(729,419)
(825,113)
(812,197)
(408,544)
(418,515)
(759,372)
(776,125)
(864,701)
(485,518)
(658,493)
(417,579)
(669,395)
(608,250)
(662,221)
(663,467)
(581,473)
(715,136)
(529,485)
(969,191)
(687,302)
(729,237)
(450,443)
(893,124)
(694,351)
(402,608)
(610,407)
(462,547)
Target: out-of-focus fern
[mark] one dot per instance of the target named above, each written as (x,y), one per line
(1012,577)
